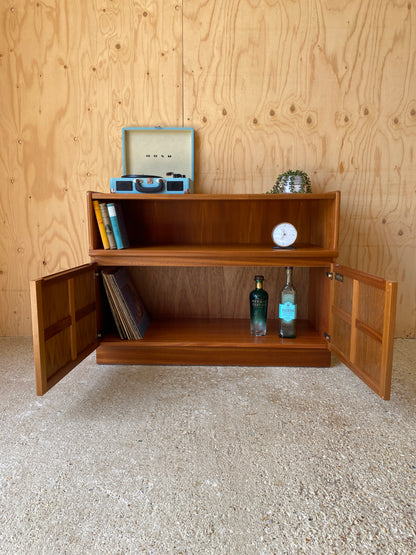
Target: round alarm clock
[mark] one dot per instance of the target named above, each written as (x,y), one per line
(284,235)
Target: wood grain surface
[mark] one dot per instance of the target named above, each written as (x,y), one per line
(268,85)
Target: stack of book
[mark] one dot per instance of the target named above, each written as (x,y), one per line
(129,312)
(111,224)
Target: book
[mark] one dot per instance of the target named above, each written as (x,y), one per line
(127,307)
(100,222)
(118,224)
(107,225)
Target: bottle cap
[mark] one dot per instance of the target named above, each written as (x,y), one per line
(258,278)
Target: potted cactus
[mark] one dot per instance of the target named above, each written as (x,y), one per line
(292,181)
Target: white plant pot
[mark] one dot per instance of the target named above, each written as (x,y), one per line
(292,184)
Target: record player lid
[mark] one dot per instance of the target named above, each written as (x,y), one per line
(158,150)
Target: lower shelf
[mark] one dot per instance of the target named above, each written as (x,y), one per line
(221,342)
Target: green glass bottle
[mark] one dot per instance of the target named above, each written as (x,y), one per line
(258,308)
(288,307)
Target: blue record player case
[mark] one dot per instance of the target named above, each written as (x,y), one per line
(156,160)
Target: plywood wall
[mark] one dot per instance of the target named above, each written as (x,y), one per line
(328,87)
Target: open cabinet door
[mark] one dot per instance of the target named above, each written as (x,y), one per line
(64,321)
(361,323)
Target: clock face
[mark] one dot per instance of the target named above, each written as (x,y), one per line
(284,234)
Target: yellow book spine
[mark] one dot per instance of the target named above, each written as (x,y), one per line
(100,223)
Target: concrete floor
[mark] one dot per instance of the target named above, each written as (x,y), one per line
(194,460)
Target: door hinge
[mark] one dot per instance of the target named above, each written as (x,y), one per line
(327,337)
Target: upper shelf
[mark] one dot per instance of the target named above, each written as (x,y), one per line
(214,255)
(219,230)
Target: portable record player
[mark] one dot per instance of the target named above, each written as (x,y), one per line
(156,160)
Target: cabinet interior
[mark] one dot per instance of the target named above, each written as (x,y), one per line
(178,293)
(155,221)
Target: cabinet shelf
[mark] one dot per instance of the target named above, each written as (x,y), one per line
(215,255)
(217,341)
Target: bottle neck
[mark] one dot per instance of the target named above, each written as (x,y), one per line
(289,275)
(259,281)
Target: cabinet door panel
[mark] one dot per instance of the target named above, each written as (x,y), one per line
(363,310)
(64,320)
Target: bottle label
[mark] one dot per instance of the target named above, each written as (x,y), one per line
(287,312)
(258,303)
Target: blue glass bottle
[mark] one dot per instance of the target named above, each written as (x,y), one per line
(258,308)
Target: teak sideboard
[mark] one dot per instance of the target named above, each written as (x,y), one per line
(193,259)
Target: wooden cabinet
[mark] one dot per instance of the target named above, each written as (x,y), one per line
(193,259)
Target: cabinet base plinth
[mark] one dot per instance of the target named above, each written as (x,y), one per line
(209,357)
